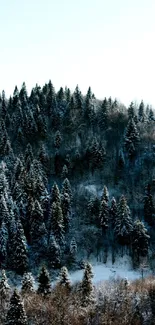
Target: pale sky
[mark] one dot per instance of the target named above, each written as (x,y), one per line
(106,44)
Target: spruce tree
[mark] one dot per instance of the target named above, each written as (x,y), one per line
(86,288)
(141,115)
(19,253)
(3,244)
(44,286)
(64,278)
(131,111)
(149,213)
(66,210)
(131,138)
(55,194)
(16,314)
(4,287)
(140,241)
(57,224)
(123,224)
(57,140)
(113,212)
(54,253)
(104,210)
(27,283)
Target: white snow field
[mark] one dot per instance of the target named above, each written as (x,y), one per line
(102,272)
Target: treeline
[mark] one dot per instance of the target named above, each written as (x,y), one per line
(52,143)
(65,303)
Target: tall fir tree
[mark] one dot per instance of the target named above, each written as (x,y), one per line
(44,287)
(123,224)
(149,211)
(16,312)
(140,241)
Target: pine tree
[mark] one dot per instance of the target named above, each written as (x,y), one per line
(57,222)
(149,215)
(66,210)
(36,222)
(73,251)
(86,288)
(140,240)
(64,171)
(55,194)
(113,212)
(123,224)
(16,314)
(66,188)
(44,287)
(3,244)
(4,287)
(54,253)
(131,138)
(104,210)
(64,278)
(19,257)
(57,140)
(27,283)
(131,111)
(141,115)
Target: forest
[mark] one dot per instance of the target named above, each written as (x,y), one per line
(77,182)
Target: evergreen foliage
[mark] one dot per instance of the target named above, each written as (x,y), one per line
(44,286)
(16,313)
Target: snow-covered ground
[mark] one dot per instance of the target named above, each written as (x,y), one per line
(102,272)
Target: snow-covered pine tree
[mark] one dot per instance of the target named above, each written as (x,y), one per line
(54,253)
(3,244)
(66,210)
(131,138)
(149,211)
(105,194)
(44,287)
(57,224)
(64,172)
(55,194)
(57,140)
(140,241)
(104,210)
(19,256)
(141,114)
(16,313)
(123,224)
(86,287)
(4,287)
(64,278)
(113,212)
(27,283)
(66,188)
(131,111)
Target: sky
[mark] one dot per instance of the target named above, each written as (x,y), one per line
(106,44)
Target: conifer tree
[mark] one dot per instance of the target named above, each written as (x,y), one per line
(104,210)
(140,241)
(57,140)
(55,194)
(16,313)
(3,244)
(64,278)
(141,114)
(131,111)
(64,171)
(86,288)
(123,224)
(27,283)
(54,253)
(66,188)
(131,138)
(149,213)
(66,210)
(44,286)
(19,254)
(57,222)
(113,212)
(4,287)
